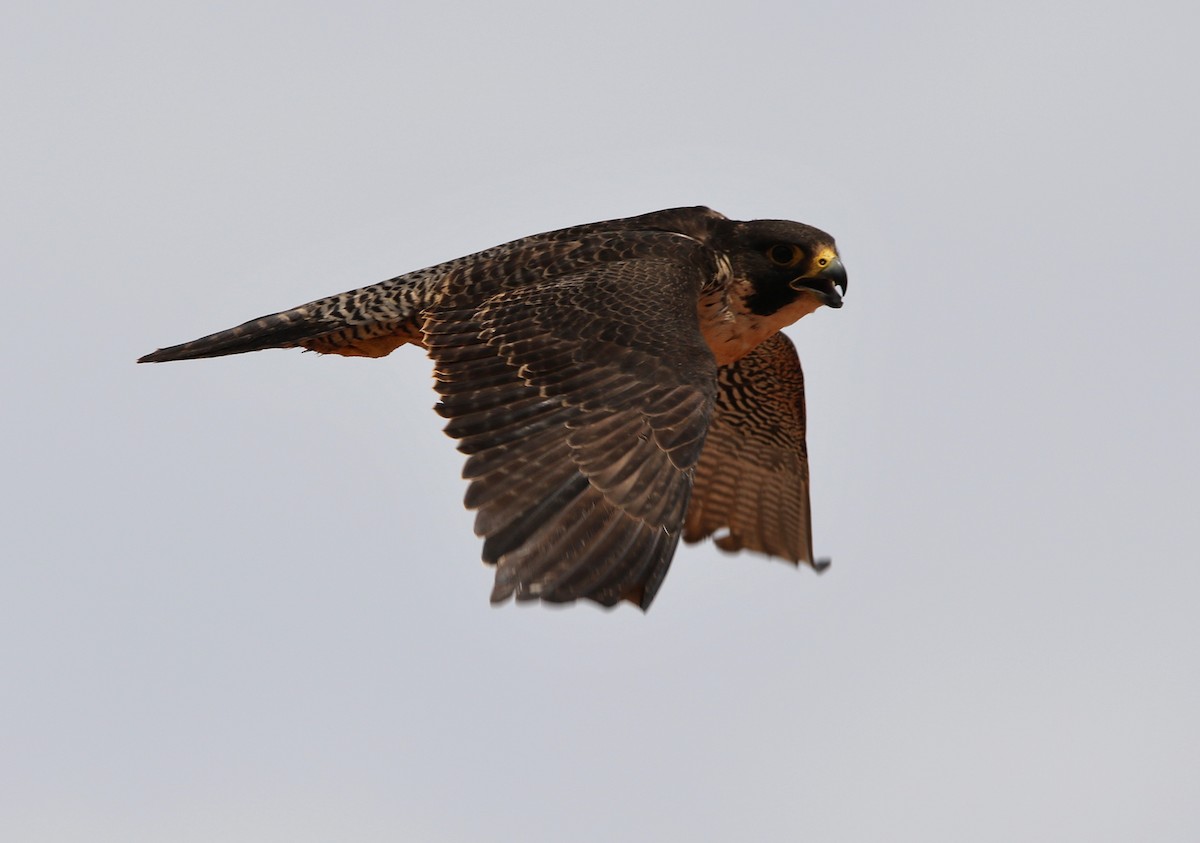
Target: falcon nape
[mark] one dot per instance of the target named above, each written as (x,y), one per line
(616,386)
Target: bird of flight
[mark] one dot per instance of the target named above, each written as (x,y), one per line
(616,386)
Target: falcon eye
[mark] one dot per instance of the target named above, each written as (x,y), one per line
(783,254)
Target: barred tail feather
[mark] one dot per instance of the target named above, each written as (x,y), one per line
(368,322)
(279,330)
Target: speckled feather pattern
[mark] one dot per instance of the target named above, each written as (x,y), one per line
(615,386)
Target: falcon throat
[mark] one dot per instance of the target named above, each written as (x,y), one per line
(737,314)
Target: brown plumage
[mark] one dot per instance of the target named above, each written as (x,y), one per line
(616,386)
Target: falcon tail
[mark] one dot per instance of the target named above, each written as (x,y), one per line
(368,322)
(288,329)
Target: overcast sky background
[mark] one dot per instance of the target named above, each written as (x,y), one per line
(241,600)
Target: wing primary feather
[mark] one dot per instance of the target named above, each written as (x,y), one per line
(523,526)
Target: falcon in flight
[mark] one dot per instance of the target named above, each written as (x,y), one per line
(615,386)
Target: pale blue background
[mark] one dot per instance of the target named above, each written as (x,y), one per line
(240,599)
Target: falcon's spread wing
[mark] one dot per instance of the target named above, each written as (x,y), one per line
(752,479)
(583,401)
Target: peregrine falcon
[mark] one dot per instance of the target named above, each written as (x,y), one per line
(615,386)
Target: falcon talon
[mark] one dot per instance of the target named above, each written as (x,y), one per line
(616,386)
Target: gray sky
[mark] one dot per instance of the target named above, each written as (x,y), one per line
(242,601)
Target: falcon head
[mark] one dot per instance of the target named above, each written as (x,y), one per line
(783,263)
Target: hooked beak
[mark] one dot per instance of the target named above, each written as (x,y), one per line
(829,284)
